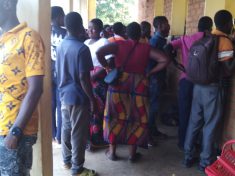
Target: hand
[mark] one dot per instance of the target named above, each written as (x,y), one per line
(93,106)
(11,142)
(107,69)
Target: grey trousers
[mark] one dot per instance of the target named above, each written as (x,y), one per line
(206,114)
(75,121)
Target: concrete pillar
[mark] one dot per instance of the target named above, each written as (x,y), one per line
(159,7)
(81,6)
(178,17)
(146,10)
(212,6)
(195,11)
(37,14)
(91,9)
(70,5)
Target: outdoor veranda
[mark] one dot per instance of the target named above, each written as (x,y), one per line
(162,160)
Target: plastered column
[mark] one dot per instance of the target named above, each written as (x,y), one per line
(37,14)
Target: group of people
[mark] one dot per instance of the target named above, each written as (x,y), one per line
(93,113)
(125,112)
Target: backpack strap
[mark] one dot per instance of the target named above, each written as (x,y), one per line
(170,52)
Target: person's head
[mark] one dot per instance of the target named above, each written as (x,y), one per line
(145,29)
(106,31)
(7,11)
(107,28)
(73,23)
(161,25)
(224,21)
(205,24)
(133,31)
(118,28)
(95,27)
(57,15)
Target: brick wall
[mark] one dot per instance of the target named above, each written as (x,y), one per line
(168,9)
(195,11)
(146,10)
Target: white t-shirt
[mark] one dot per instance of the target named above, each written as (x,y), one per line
(94,47)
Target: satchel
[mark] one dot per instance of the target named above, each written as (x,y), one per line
(113,76)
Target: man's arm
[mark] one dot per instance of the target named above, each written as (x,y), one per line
(28,106)
(229,66)
(87,88)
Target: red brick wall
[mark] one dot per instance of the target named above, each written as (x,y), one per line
(168,9)
(195,11)
(146,10)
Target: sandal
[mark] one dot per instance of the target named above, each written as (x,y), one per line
(136,157)
(86,172)
(112,157)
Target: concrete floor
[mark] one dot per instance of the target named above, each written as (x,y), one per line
(162,160)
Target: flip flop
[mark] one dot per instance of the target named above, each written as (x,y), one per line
(86,172)
(136,157)
(111,157)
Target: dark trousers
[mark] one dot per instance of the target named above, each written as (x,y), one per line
(206,114)
(56,107)
(75,126)
(155,89)
(185,96)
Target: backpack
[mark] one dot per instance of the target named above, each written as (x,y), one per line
(203,65)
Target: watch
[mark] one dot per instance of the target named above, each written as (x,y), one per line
(16,131)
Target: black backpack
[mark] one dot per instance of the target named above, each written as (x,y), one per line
(203,65)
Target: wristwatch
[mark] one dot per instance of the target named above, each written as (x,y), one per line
(16,131)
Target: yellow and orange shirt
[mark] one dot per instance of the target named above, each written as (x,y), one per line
(21,56)
(225,46)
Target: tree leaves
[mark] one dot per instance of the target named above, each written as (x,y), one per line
(111,11)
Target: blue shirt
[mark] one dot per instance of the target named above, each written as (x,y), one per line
(73,57)
(157,41)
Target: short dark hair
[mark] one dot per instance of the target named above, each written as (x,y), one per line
(133,31)
(145,24)
(73,22)
(158,20)
(222,18)
(118,28)
(98,23)
(205,23)
(56,11)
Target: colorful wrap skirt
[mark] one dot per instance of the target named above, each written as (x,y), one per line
(125,115)
(96,121)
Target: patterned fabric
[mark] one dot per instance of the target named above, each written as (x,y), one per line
(18,161)
(96,122)
(21,56)
(125,116)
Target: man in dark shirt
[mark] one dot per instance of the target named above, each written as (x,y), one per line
(157,81)
(73,68)
(57,35)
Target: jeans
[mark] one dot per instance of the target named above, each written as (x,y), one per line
(206,114)
(56,107)
(17,162)
(185,96)
(75,127)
